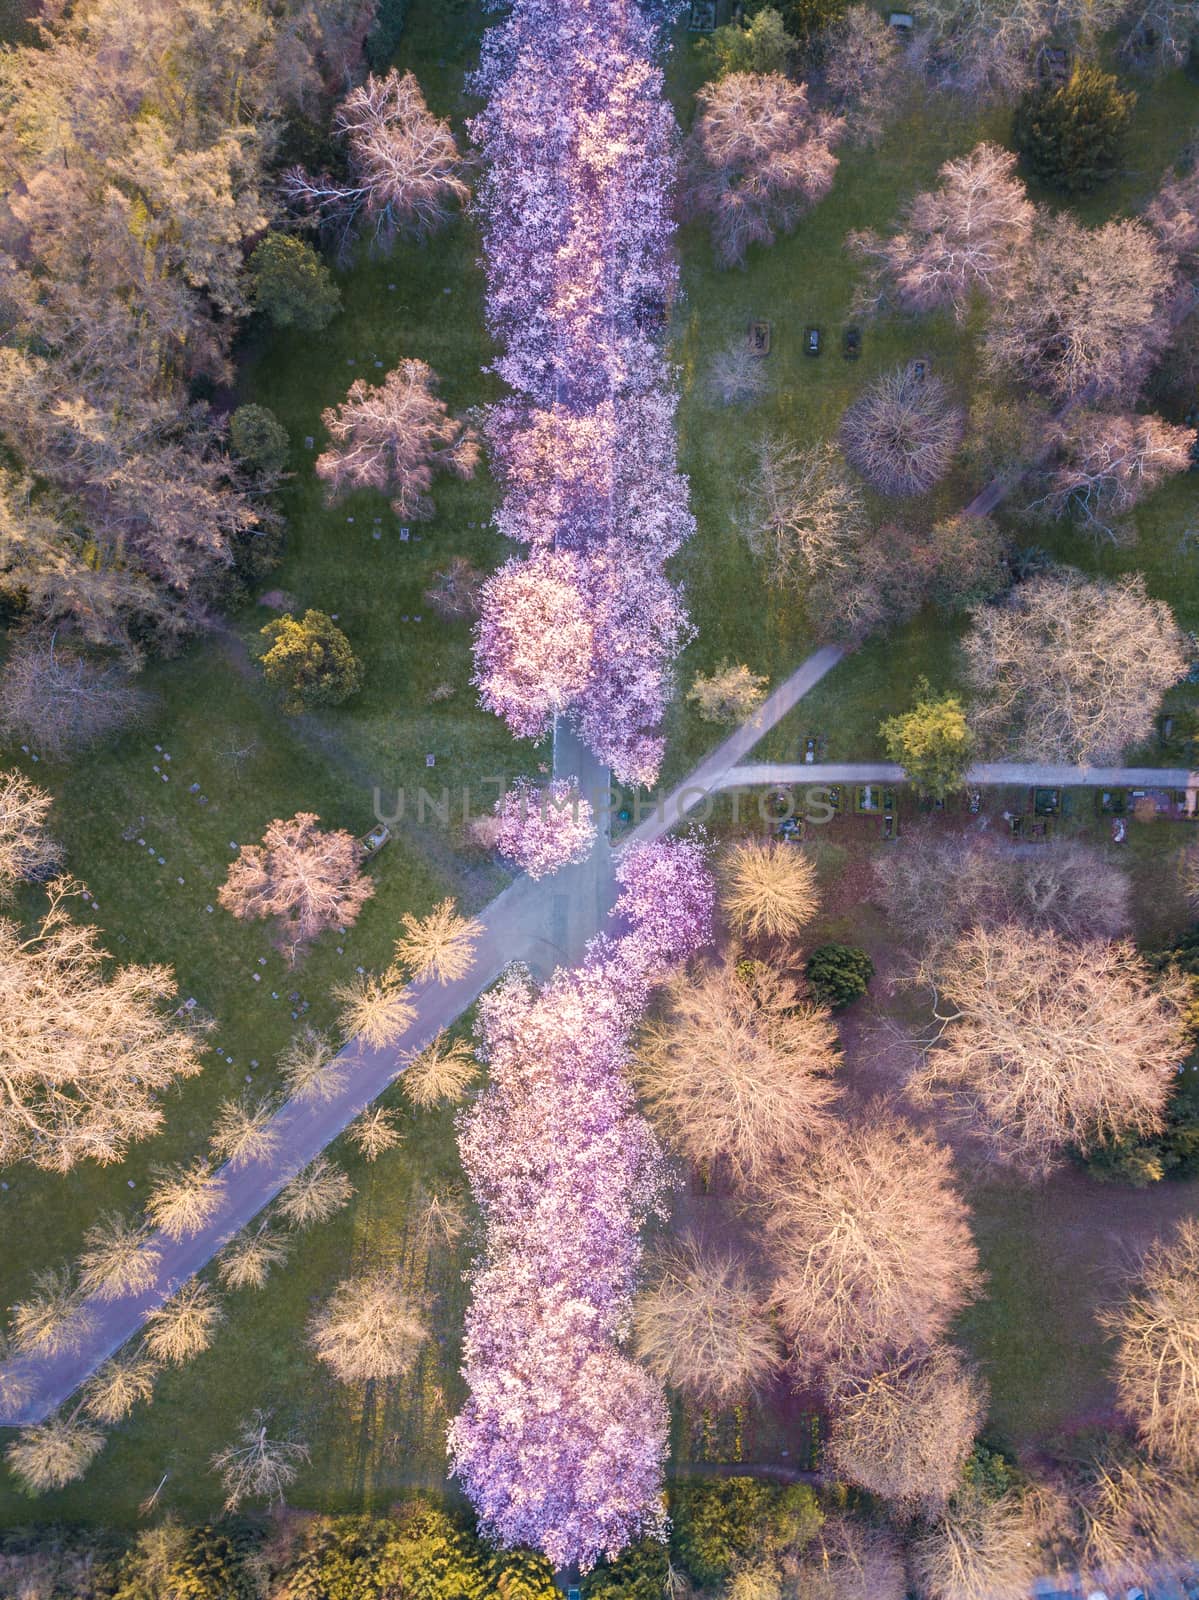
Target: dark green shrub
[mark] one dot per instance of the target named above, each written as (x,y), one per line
(259,439)
(838,974)
(640,1573)
(292,285)
(1072,136)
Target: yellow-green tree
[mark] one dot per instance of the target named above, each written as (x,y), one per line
(932,741)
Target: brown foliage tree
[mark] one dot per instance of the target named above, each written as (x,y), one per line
(1071,669)
(703,1328)
(184,1197)
(117,1259)
(738,1069)
(850,1559)
(53,1453)
(1105,464)
(767,889)
(245,1131)
(871,1246)
(1046,1045)
(184,1326)
(84,1053)
(1086,314)
(980,1548)
(904,1433)
(306,879)
(440,946)
(406,176)
(965,237)
(392,437)
(729,695)
(311,1068)
(375,1132)
(454,591)
(315,1195)
(118,1386)
(247,1262)
(1156,1329)
(902,432)
(933,886)
(757,158)
(441,1074)
(377,1011)
(61,702)
(369,1328)
(50,1320)
(27,853)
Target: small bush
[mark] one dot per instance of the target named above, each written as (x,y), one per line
(259,439)
(310,662)
(838,974)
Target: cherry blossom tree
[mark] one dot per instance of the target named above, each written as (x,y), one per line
(393,436)
(306,879)
(543,828)
(561,1442)
(758,158)
(577,139)
(405,173)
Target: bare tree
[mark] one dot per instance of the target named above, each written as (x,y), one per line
(1173,213)
(1086,313)
(905,1432)
(863,73)
(1071,669)
(117,1258)
(316,1194)
(1044,1045)
(737,376)
(245,1131)
(1156,1328)
(247,1262)
(454,591)
(368,1329)
(990,48)
(184,1197)
(965,237)
(50,1321)
(441,1221)
(406,175)
(392,437)
(375,1132)
(850,1559)
(803,516)
(257,1467)
(871,1246)
(60,701)
(440,946)
(54,1453)
(1127,1520)
(980,1548)
(378,1011)
(703,1328)
(1160,35)
(757,158)
(17,1385)
(730,694)
(902,432)
(933,886)
(84,1052)
(1104,465)
(306,879)
(767,889)
(311,1068)
(184,1325)
(118,1386)
(738,1069)
(27,853)
(441,1074)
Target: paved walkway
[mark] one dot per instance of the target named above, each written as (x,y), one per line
(544,925)
(1037,774)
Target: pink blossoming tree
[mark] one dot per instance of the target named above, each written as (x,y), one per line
(542,829)
(562,1440)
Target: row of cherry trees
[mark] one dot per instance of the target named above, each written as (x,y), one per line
(562,1441)
(578,141)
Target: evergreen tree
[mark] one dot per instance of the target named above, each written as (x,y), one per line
(838,974)
(1072,135)
(932,742)
(310,662)
(292,285)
